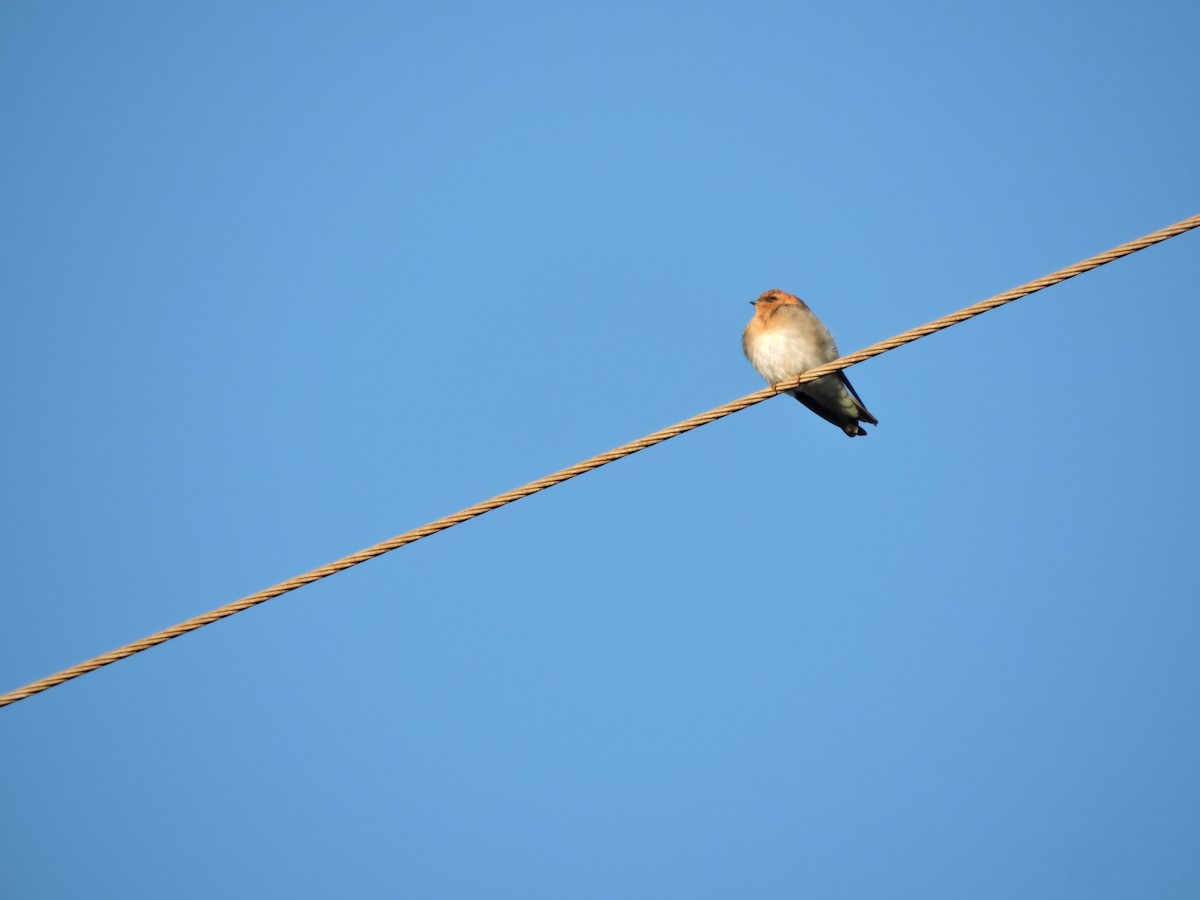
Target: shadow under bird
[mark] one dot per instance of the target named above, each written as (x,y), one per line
(784,339)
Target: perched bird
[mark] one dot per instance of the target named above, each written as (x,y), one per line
(784,339)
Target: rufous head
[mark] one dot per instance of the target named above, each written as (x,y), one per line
(769,301)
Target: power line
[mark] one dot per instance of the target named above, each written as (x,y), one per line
(595,462)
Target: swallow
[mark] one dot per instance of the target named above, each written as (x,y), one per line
(784,339)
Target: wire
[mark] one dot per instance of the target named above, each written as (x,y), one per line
(595,462)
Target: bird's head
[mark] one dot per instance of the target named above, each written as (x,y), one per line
(769,301)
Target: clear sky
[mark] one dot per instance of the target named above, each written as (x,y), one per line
(281,280)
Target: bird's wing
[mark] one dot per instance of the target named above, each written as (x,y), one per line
(862,408)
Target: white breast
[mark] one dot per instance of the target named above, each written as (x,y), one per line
(782,353)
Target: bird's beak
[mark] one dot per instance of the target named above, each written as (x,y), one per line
(753,302)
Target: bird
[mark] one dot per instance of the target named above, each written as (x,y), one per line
(785,338)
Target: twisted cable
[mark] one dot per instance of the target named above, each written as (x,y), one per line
(595,462)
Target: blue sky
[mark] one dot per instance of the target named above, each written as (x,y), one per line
(282,280)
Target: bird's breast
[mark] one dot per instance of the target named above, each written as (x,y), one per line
(781,353)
